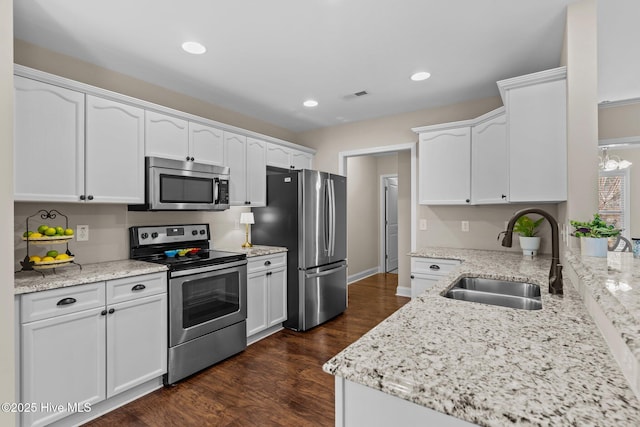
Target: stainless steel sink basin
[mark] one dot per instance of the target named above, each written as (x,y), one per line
(525,296)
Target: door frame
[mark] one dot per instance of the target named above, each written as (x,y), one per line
(383,228)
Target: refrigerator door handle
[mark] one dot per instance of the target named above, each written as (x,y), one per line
(324,273)
(333,218)
(327,218)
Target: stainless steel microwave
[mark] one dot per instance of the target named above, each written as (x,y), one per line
(184,186)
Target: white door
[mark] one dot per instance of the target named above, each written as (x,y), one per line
(391,224)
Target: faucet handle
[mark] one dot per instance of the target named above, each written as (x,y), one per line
(501,233)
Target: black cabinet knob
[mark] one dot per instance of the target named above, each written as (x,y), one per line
(112,310)
(154,235)
(267,263)
(192,159)
(103,313)
(413,277)
(82,197)
(194,232)
(504,196)
(144,235)
(187,158)
(269,273)
(203,232)
(467,200)
(434,267)
(90,197)
(247,203)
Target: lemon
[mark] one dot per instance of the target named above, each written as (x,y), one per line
(42,228)
(68,232)
(59,231)
(52,254)
(35,258)
(47,259)
(50,231)
(35,236)
(60,257)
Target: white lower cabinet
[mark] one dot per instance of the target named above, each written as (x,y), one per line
(425,272)
(80,345)
(266,293)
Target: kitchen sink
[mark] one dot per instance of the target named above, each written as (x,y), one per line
(522,295)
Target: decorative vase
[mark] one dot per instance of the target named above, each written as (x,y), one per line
(529,245)
(594,246)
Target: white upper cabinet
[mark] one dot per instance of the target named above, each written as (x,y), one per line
(490,159)
(48,142)
(288,158)
(537,116)
(166,136)
(206,144)
(445,166)
(114,152)
(246,159)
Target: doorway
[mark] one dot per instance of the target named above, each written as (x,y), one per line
(389,222)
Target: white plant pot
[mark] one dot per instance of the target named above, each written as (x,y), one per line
(594,246)
(529,245)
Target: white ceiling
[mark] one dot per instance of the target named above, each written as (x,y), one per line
(265,58)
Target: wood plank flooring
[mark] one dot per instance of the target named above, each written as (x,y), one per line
(277,381)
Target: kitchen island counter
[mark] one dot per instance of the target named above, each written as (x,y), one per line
(490,365)
(72,275)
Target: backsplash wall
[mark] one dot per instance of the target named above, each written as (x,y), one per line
(109,228)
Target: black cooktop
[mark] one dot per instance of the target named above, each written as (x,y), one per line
(203,258)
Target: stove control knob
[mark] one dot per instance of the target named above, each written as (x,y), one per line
(144,235)
(154,235)
(202,232)
(194,232)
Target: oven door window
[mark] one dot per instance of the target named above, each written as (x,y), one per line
(186,189)
(210,298)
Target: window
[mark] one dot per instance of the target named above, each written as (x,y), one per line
(613,198)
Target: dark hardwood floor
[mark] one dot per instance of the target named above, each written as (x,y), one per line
(277,381)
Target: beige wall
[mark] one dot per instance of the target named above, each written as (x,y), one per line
(109,228)
(619,122)
(62,65)
(582,112)
(7,362)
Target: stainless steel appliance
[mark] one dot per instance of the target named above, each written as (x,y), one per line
(184,185)
(306,213)
(207,295)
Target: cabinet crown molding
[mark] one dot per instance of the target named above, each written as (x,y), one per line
(463,123)
(531,79)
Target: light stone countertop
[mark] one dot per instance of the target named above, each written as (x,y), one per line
(256,250)
(491,365)
(72,275)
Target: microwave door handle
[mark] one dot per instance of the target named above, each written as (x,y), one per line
(216,191)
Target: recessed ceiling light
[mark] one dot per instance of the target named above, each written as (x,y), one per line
(310,103)
(422,75)
(194,48)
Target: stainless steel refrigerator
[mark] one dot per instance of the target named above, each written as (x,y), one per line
(306,213)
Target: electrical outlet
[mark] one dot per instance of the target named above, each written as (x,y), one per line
(423,224)
(82,233)
(465,226)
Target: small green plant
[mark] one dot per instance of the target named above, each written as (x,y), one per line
(526,227)
(595,228)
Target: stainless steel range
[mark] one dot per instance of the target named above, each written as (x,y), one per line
(207,295)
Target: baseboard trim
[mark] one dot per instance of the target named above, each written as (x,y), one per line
(361,275)
(263,334)
(403,291)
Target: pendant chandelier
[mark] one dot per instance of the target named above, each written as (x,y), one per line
(611,163)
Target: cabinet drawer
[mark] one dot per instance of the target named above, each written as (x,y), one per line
(433,265)
(56,302)
(260,263)
(129,288)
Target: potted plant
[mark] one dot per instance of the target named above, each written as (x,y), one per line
(527,229)
(594,235)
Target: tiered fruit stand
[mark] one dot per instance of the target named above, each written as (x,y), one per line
(29,265)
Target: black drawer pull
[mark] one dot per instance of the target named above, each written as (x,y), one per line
(267,263)
(434,267)
(138,287)
(66,301)
(269,273)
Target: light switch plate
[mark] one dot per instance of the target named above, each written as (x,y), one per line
(82,233)
(465,226)
(423,224)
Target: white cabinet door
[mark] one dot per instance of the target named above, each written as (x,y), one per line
(256,172)
(445,167)
(277,288)
(166,136)
(256,303)
(206,144)
(301,160)
(538,142)
(48,142)
(136,342)
(490,161)
(114,152)
(421,282)
(235,158)
(63,361)
(278,156)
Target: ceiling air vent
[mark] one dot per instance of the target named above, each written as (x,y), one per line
(356,95)
(361,93)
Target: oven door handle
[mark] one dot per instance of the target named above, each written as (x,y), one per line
(192,271)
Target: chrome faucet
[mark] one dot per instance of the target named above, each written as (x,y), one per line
(555,274)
